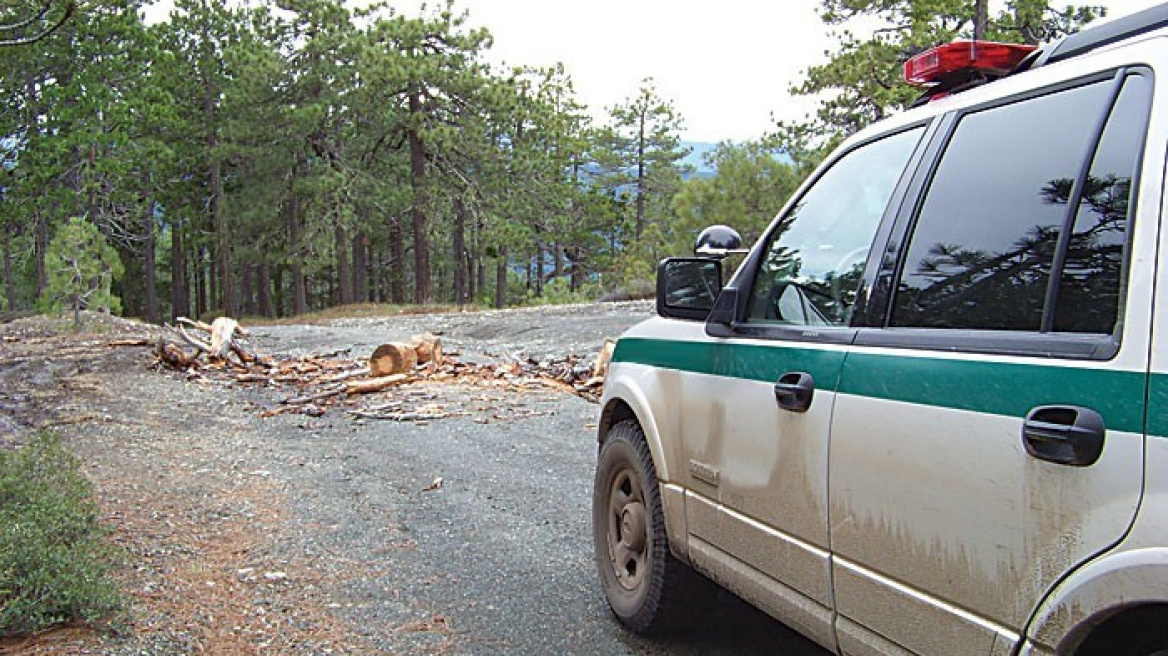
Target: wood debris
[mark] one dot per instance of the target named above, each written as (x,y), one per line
(317,382)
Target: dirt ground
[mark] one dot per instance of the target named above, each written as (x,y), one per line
(179,468)
(336,534)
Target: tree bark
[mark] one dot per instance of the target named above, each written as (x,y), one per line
(361,266)
(149,270)
(458,239)
(640,226)
(264,288)
(295,237)
(9,280)
(418,211)
(577,270)
(228,301)
(501,279)
(396,265)
(344,270)
(247,290)
(200,284)
(279,294)
(40,251)
(981,18)
(180,293)
(481,274)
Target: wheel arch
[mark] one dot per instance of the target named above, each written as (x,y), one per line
(623,401)
(1102,598)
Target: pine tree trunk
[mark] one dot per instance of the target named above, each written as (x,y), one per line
(640,227)
(482,275)
(228,301)
(180,293)
(247,290)
(418,211)
(295,237)
(361,266)
(200,284)
(540,254)
(577,269)
(458,239)
(396,266)
(501,279)
(213,295)
(149,270)
(279,295)
(264,288)
(9,280)
(40,250)
(344,271)
(980,18)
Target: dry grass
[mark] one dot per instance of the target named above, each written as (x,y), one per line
(354,311)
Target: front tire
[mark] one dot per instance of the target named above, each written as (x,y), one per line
(646,587)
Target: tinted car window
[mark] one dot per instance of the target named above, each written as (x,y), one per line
(815,256)
(1092,280)
(986,234)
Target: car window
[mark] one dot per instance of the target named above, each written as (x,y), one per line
(986,238)
(815,255)
(1091,285)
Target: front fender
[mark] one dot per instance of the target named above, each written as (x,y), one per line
(646,394)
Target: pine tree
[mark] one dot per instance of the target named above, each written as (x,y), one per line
(82,268)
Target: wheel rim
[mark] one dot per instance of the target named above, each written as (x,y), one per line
(628,530)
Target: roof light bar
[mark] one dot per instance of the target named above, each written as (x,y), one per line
(985,57)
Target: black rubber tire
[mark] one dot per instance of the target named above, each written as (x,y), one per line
(665,593)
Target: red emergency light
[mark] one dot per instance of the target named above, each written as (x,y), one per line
(985,57)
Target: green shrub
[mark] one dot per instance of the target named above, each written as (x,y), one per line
(54,553)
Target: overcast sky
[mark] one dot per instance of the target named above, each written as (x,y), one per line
(727,65)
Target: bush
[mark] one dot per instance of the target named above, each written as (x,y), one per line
(54,554)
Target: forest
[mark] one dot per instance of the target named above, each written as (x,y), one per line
(269,160)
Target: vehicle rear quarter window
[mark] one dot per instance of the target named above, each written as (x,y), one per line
(988,232)
(985,237)
(1091,285)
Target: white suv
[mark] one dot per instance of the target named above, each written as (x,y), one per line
(929,412)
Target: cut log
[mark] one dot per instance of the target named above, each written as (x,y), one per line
(374,384)
(393,358)
(429,348)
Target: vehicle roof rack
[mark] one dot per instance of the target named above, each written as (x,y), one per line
(1095,37)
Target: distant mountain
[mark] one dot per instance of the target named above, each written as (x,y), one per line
(696,158)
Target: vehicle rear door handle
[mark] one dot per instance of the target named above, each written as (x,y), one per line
(794,391)
(1064,434)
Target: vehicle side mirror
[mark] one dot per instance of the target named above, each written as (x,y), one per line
(687,287)
(718,241)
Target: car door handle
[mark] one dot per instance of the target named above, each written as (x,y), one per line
(794,391)
(1064,434)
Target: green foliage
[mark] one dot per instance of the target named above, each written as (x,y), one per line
(54,554)
(82,267)
(862,81)
(559,292)
(749,187)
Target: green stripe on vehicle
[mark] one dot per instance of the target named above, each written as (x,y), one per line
(1158,405)
(743,361)
(1009,389)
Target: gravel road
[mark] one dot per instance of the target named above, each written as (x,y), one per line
(348,531)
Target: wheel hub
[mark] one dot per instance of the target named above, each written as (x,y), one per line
(633,522)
